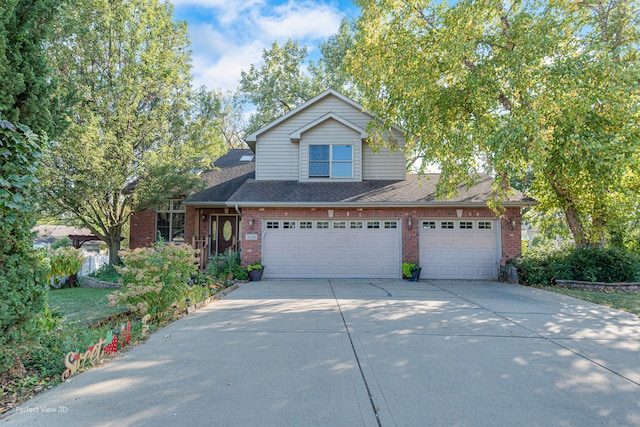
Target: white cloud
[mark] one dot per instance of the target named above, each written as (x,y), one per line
(227,11)
(301,21)
(227,36)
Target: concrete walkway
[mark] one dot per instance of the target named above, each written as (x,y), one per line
(367,353)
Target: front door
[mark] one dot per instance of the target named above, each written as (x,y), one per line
(224,229)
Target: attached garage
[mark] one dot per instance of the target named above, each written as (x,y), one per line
(459,249)
(331,248)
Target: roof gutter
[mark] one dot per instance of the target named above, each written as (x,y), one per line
(352,205)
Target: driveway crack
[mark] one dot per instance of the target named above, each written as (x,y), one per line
(355,354)
(537,334)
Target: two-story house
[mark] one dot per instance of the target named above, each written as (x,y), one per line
(312,199)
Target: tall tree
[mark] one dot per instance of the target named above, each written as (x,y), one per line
(541,89)
(139,133)
(26,86)
(278,85)
(329,72)
(26,89)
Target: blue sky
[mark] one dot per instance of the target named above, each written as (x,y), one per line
(227,36)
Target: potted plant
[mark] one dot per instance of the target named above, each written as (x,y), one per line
(255,272)
(411,271)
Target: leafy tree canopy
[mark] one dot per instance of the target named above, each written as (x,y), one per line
(545,92)
(278,85)
(138,132)
(283,80)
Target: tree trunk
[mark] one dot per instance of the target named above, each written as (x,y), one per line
(576,227)
(114,240)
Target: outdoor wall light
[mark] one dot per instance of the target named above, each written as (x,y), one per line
(251,223)
(204,217)
(409,222)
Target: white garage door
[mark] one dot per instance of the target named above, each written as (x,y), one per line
(331,248)
(458,249)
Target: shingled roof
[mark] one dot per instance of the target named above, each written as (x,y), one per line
(221,183)
(415,190)
(233,183)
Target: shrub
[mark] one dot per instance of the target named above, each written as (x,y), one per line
(65,261)
(23,270)
(589,264)
(64,242)
(227,266)
(107,273)
(154,278)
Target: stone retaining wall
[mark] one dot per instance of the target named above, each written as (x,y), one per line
(599,286)
(90,282)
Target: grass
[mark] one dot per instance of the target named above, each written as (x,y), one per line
(82,306)
(623,301)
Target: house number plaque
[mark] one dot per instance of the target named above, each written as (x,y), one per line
(251,237)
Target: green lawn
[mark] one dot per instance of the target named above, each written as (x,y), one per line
(624,301)
(82,306)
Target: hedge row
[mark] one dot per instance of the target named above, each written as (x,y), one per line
(607,265)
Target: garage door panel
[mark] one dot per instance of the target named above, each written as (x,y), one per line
(332,253)
(468,252)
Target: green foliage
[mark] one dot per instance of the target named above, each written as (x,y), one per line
(278,86)
(408,268)
(65,261)
(543,93)
(227,266)
(138,132)
(590,264)
(107,273)
(155,278)
(256,266)
(64,242)
(23,270)
(330,70)
(25,76)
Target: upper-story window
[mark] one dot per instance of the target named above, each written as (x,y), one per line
(331,161)
(170,221)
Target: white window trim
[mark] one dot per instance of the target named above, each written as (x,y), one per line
(331,162)
(172,211)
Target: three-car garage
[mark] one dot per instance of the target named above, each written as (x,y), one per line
(372,248)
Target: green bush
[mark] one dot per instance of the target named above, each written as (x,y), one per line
(64,242)
(227,266)
(23,270)
(154,278)
(590,264)
(65,261)
(107,273)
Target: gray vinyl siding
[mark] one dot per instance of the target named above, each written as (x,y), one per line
(278,158)
(384,163)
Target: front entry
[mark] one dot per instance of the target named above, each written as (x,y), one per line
(224,234)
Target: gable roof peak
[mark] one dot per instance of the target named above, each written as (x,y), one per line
(297,135)
(250,139)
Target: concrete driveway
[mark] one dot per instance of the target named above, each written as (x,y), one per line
(367,353)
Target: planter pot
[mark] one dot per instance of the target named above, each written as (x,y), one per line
(256,275)
(415,275)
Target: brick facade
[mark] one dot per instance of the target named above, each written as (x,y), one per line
(510,225)
(197,224)
(142,231)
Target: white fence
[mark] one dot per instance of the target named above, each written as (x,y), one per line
(92,263)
